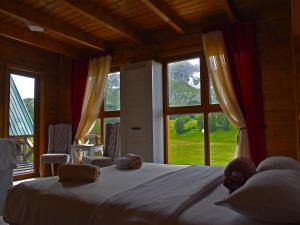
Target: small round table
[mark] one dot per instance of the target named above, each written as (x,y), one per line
(79,151)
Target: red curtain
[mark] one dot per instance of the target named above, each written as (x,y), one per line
(79,76)
(244,63)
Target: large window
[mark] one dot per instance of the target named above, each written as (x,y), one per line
(22,120)
(110,112)
(198,132)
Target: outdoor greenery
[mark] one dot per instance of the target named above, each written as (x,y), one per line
(112,95)
(29,103)
(186,132)
(187,139)
(184,83)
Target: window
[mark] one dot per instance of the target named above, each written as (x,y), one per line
(112,96)
(22,120)
(198,132)
(184,83)
(110,112)
(186,139)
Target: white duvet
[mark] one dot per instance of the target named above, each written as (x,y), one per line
(155,194)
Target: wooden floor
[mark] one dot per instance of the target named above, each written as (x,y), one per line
(23,168)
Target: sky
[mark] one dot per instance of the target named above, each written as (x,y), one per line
(25,85)
(194,61)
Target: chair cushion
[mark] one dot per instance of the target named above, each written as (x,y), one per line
(101,161)
(55,158)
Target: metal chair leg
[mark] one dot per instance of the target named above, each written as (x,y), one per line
(41,169)
(52,169)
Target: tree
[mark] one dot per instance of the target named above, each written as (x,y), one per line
(179,124)
(224,122)
(29,103)
(200,122)
(112,95)
(184,83)
(181,71)
(213,122)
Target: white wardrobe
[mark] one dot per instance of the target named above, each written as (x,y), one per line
(142,110)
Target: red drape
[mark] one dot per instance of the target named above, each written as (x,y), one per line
(79,77)
(245,72)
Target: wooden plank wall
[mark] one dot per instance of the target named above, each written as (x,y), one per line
(2,86)
(54,80)
(274,44)
(295,13)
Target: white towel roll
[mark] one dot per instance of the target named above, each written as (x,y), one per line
(122,163)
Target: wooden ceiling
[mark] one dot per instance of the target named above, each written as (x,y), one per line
(75,27)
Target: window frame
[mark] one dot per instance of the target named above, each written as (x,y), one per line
(38,113)
(205,108)
(107,114)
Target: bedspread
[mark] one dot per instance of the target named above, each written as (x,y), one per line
(161,200)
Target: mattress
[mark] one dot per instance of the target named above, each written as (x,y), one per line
(155,194)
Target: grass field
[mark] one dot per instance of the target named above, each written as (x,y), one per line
(188,148)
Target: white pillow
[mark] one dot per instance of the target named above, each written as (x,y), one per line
(270,196)
(278,163)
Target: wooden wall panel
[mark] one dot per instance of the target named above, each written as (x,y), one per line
(54,75)
(2,85)
(274,44)
(295,13)
(65,113)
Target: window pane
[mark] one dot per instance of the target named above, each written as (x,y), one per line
(21,121)
(94,136)
(212,95)
(112,96)
(186,139)
(222,139)
(184,83)
(97,128)
(111,120)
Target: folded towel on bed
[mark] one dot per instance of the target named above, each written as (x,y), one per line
(129,161)
(237,172)
(71,172)
(122,163)
(135,160)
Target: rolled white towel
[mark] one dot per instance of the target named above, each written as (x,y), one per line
(135,160)
(69,172)
(122,163)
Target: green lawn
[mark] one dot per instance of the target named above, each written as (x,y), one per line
(188,148)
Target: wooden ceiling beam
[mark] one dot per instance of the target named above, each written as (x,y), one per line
(38,40)
(101,16)
(228,10)
(163,11)
(23,12)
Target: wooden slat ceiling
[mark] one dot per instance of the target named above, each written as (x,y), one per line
(140,17)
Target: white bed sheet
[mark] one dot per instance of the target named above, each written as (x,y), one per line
(49,202)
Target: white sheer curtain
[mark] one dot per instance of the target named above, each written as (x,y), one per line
(93,96)
(219,72)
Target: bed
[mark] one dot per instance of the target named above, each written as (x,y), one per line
(155,194)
